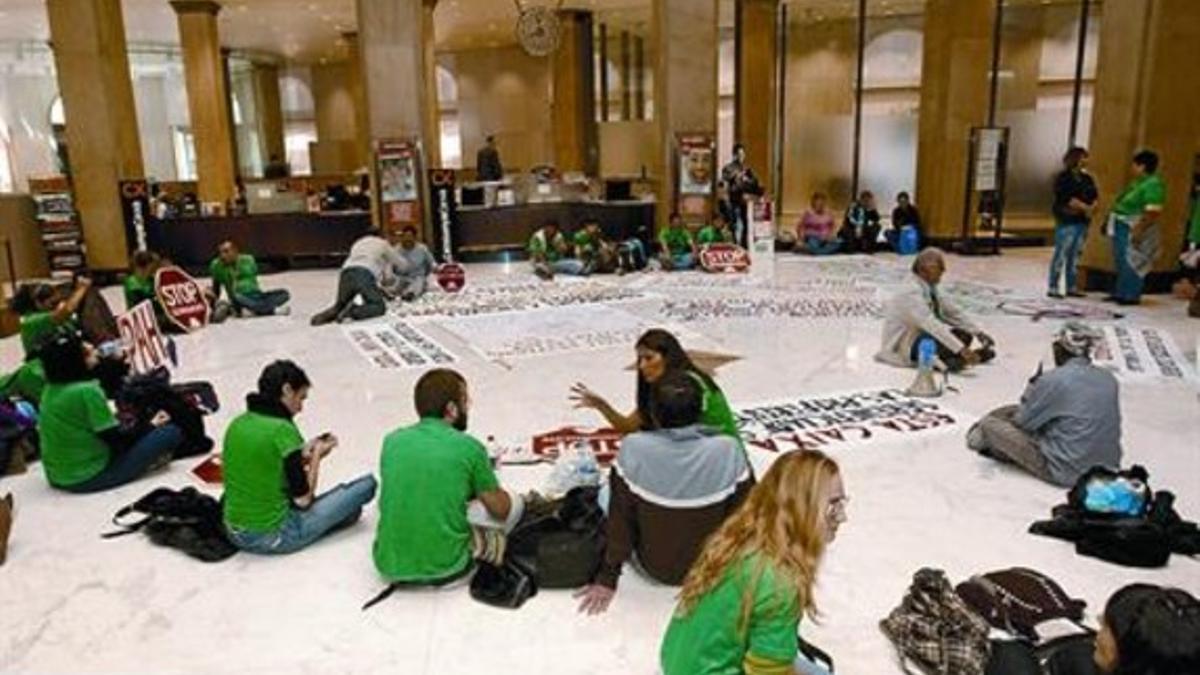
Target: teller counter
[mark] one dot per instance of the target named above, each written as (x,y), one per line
(482,232)
(280,239)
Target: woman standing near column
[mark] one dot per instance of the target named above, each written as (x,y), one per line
(1075,197)
(1133,224)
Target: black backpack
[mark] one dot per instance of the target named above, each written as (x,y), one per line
(142,396)
(185,519)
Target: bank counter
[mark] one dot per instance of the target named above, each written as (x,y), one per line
(278,238)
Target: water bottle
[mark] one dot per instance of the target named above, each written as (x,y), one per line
(926,352)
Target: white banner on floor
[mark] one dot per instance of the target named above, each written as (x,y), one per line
(841,421)
(485,299)
(809,306)
(396,345)
(1139,353)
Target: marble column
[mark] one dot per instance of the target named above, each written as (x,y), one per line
(954,97)
(685,84)
(92,64)
(573,100)
(1149,51)
(754,88)
(358,94)
(270,112)
(208,96)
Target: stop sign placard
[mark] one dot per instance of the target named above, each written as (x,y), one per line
(724,258)
(182,298)
(451,277)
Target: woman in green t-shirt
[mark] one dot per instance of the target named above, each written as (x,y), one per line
(659,352)
(743,599)
(43,309)
(1133,225)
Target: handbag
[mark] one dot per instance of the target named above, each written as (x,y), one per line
(935,630)
(507,586)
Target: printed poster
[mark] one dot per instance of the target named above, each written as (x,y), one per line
(397,345)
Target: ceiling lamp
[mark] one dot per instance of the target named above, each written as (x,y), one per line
(538,28)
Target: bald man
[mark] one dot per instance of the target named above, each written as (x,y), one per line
(918,311)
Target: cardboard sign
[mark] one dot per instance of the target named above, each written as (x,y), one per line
(604,443)
(135,207)
(724,258)
(451,277)
(143,341)
(182,298)
(444,208)
(210,471)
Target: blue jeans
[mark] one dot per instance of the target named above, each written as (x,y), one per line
(1129,283)
(569,266)
(682,261)
(337,508)
(818,246)
(153,449)
(1068,244)
(262,303)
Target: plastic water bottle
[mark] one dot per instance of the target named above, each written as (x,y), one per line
(926,352)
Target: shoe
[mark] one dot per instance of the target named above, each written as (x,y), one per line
(6,517)
(1110,298)
(244,313)
(1127,303)
(285,310)
(322,318)
(543,272)
(1054,294)
(1076,294)
(986,354)
(408,297)
(221,312)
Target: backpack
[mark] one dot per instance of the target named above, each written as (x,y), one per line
(1017,600)
(936,630)
(185,519)
(142,396)
(1068,655)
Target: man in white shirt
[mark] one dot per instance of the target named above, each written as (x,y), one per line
(369,275)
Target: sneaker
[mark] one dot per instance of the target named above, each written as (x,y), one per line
(1076,294)
(1054,294)
(221,312)
(6,517)
(244,313)
(322,318)
(285,310)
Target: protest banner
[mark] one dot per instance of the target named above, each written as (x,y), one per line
(142,339)
(182,298)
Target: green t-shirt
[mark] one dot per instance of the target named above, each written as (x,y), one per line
(138,290)
(71,416)
(551,251)
(256,497)
(36,327)
(1194,230)
(239,278)
(706,641)
(584,242)
(428,472)
(676,240)
(711,235)
(716,412)
(1144,192)
(28,381)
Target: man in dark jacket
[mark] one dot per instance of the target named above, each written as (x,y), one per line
(487,161)
(1075,199)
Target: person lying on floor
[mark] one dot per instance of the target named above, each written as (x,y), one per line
(550,254)
(658,353)
(236,275)
(83,448)
(920,311)
(743,599)
(440,504)
(1068,421)
(414,281)
(271,473)
(652,513)
(365,281)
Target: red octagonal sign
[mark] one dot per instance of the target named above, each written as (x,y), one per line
(182,298)
(724,258)
(451,277)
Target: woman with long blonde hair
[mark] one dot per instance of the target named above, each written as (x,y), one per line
(744,597)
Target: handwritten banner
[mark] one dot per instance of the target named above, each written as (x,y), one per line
(1136,352)
(484,299)
(397,345)
(142,339)
(812,306)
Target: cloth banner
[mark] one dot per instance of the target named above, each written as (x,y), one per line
(809,306)
(1139,353)
(483,299)
(143,342)
(397,345)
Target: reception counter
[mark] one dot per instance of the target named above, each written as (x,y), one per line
(282,238)
(486,231)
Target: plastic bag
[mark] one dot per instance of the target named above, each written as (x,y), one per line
(575,466)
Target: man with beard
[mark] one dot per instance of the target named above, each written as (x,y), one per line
(440,505)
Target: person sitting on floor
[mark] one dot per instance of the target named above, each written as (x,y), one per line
(904,215)
(678,246)
(271,473)
(743,599)
(437,484)
(42,310)
(551,254)
(920,312)
(368,275)
(1149,630)
(652,514)
(716,232)
(595,250)
(658,353)
(83,448)
(415,280)
(1068,421)
(861,228)
(236,274)
(815,233)
(138,286)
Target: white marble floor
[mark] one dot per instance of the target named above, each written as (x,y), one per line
(71,602)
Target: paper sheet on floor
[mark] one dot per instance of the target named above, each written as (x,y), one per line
(1138,353)
(498,298)
(814,305)
(396,345)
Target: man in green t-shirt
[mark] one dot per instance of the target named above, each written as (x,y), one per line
(43,310)
(717,232)
(678,248)
(551,254)
(1135,230)
(236,274)
(270,472)
(437,485)
(139,283)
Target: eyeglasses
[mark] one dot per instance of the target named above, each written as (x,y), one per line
(837,506)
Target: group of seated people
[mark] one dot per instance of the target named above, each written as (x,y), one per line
(380,267)
(818,234)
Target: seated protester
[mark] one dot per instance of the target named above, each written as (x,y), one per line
(139,283)
(815,233)
(862,225)
(414,281)
(369,274)
(437,485)
(27,382)
(236,274)
(919,312)
(43,310)
(83,448)
(1068,421)
(678,247)
(595,250)
(652,513)
(1149,630)
(743,599)
(658,353)
(271,472)
(551,254)
(904,215)
(716,232)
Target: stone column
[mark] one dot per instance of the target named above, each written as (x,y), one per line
(754,88)
(685,83)
(573,100)
(88,38)
(358,93)
(954,98)
(1149,49)
(208,96)
(270,112)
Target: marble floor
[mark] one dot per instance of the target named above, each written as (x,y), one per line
(72,602)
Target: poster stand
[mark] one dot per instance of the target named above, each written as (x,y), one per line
(398,180)
(987,177)
(695,175)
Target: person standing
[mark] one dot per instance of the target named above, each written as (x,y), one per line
(487,161)
(415,280)
(1075,198)
(236,274)
(370,273)
(739,180)
(1134,227)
